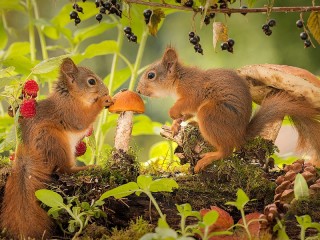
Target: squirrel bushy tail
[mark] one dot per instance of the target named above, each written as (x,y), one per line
(304,117)
(20,205)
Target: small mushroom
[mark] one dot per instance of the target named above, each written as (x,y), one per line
(125,103)
(265,79)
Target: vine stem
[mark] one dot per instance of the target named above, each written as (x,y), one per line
(31,32)
(153,200)
(136,67)
(228,10)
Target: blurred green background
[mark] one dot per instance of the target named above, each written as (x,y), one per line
(252,46)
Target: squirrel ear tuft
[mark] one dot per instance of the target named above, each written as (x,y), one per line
(169,59)
(68,68)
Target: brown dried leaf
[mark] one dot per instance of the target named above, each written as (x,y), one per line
(314,25)
(220,33)
(223,222)
(157,15)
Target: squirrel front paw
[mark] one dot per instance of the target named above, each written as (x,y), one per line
(175,127)
(106,101)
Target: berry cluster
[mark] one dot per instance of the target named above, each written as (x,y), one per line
(303,35)
(228,45)
(207,18)
(266,27)
(147,15)
(81,147)
(195,39)
(130,35)
(74,14)
(110,7)
(28,106)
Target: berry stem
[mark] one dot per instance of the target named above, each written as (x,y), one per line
(228,10)
(136,67)
(31,32)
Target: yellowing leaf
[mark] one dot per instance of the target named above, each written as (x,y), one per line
(314,25)
(220,33)
(155,19)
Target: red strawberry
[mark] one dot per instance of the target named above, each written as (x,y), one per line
(81,148)
(28,108)
(12,156)
(31,88)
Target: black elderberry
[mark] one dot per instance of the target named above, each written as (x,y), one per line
(224,46)
(304,36)
(97,2)
(128,35)
(77,21)
(272,22)
(230,42)
(194,40)
(113,10)
(206,20)
(118,6)
(212,15)
(103,10)
(230,49)
(113,2)
(191,34)
(147,13)
(107,6)
(223,5)
(307,43)
(73,15)
(268,32)
(99,17)
(133,38)
(75,6)
(200,50)
(244,7)
(189,3)
(197,46)
(299,23)
(265,27)
(127,30)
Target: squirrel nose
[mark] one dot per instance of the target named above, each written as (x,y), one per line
(138,91)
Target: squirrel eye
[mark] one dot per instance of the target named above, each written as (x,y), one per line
(92,81)
(151,75)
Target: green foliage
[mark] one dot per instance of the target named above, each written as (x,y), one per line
(301,189)
(80,213)
(305,222)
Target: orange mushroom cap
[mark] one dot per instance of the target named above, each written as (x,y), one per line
(126,100)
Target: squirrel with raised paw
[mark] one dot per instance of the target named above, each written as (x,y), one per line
(221,102)
(48,143)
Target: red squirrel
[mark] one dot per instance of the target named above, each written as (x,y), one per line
(48,142)
(221,102)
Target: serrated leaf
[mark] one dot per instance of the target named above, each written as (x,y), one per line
(163,185)
(300,189)
(49,198)
(18,49)
(314,25)
(121,191)
(242,200)
(220,33)
(49,64)
(155,19)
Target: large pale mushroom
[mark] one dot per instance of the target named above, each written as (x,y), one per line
(126,103)
(265,79)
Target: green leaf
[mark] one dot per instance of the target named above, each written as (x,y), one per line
(92,142)
(49,198)
(251,3)
(143,125)
(242,200)
(157,15)
(94,30)
(314,25)
(144,182)
(4,36)
(97,49)
(162,223)
(300,189)
(185,210)
(11,5)
(9,142)
(85,205)
(49,64)
(18,49)
(120,77)
(163,185)
(22,64)
(121,191)
(210,217)
(54,212)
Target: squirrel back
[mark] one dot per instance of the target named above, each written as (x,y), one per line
(48,142)
(220,100)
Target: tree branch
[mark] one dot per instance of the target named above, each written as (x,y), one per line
(228,10)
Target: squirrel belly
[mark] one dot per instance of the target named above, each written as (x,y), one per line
(47,145)
(221,100)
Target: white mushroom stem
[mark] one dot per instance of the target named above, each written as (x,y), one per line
(123,131)
(271,131)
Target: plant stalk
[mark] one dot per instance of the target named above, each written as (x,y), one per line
(31,32)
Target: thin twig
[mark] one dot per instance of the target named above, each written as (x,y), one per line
(228,10)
